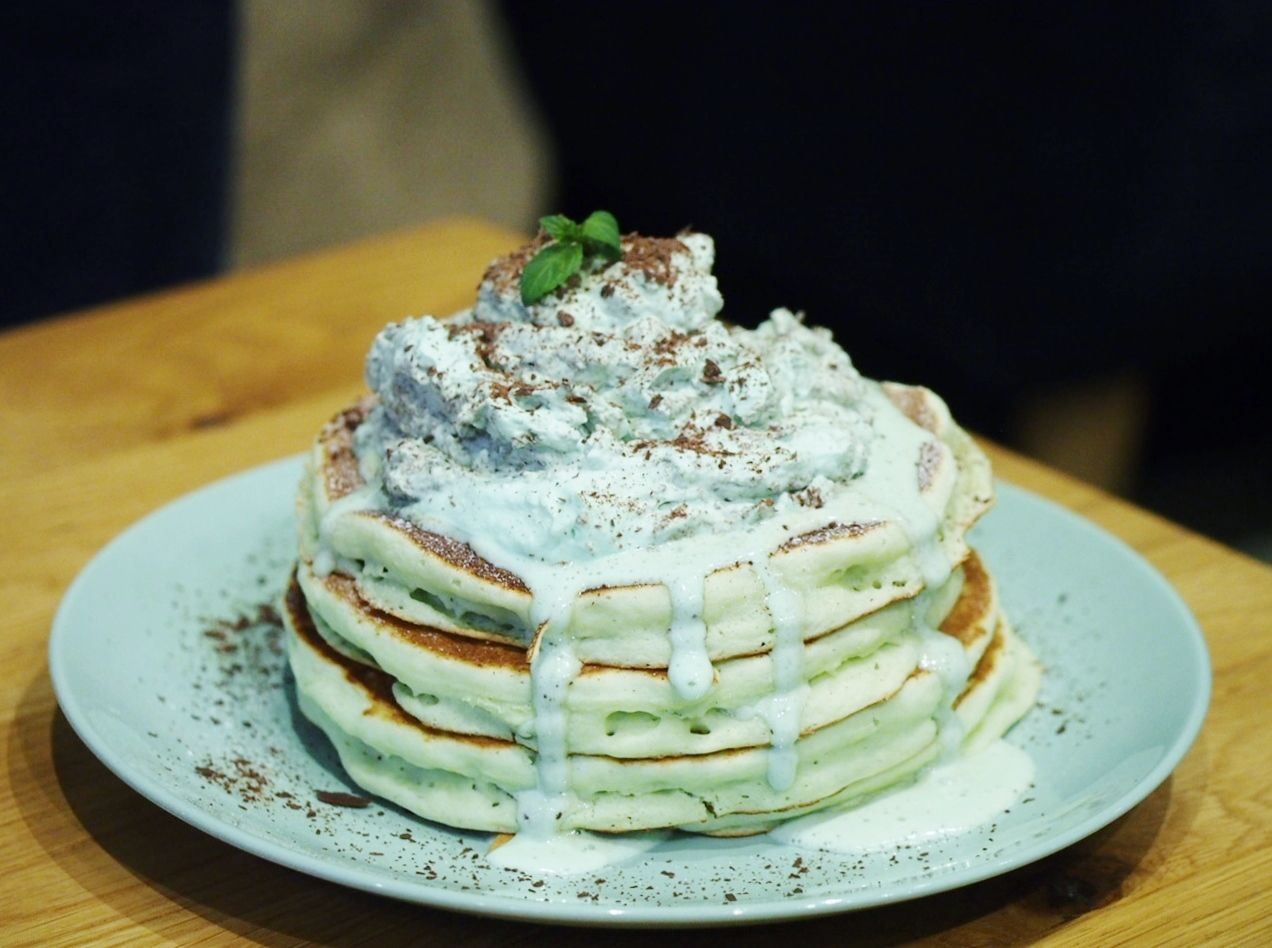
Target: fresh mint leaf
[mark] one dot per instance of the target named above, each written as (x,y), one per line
(600,235)
(560,227)
(557,262)
(551,267)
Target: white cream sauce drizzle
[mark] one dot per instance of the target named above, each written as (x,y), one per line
(783,709)
(555,587)
(554,665)
(952,798)
(893,483)
(946,801)
(569,853)
(690,669)
(946,656)
(888,488)
(890,485)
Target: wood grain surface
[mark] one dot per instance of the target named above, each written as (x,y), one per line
(107,414)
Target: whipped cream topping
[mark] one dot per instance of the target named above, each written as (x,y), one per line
(616,414)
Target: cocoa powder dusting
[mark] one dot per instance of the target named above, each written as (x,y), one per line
(457,554)
(241,777)
(831,531)
(342,475)
(929,463)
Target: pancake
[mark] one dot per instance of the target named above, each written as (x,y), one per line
(633,769)
(734,587)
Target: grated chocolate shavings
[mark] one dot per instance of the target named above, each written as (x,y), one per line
(338,798)
(487,337)
(651,257)
(342,475)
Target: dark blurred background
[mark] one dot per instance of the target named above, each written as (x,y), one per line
(1057,217)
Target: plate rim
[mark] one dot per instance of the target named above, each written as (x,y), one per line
(604,914)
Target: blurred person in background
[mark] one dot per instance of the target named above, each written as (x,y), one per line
(149,144)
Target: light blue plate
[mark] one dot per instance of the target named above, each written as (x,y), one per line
(196,713)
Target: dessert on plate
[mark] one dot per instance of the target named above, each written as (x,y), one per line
(600,561)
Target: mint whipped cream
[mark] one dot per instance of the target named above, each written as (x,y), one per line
(615,414)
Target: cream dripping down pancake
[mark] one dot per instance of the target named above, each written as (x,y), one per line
(602,562)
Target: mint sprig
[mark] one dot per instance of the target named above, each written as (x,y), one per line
(597,236)
(551,267)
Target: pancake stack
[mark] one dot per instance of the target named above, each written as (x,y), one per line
(713,683)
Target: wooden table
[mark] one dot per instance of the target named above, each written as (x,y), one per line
(105,415)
